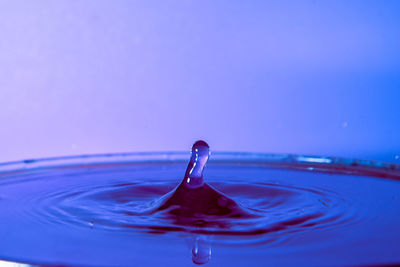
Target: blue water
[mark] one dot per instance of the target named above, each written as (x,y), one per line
(112,211)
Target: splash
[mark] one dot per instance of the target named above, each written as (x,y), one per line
(194,198)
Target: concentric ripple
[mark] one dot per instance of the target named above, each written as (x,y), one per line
(93,198)
(122,207)
(112,206)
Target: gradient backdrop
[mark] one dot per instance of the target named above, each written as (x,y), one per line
(95,76)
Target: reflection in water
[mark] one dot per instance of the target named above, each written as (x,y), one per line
(201,251)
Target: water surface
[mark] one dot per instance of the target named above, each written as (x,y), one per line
(294,210)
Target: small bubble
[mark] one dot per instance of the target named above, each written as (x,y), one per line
(397,157)
(345,124)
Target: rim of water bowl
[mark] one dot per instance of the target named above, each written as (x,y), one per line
(336,165)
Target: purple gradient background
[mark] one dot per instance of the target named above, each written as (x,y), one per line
(95,76)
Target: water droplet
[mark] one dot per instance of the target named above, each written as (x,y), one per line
(345,124)
(194,172)
(397,157)
(201,252)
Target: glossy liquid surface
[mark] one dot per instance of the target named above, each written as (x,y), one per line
(277,210)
